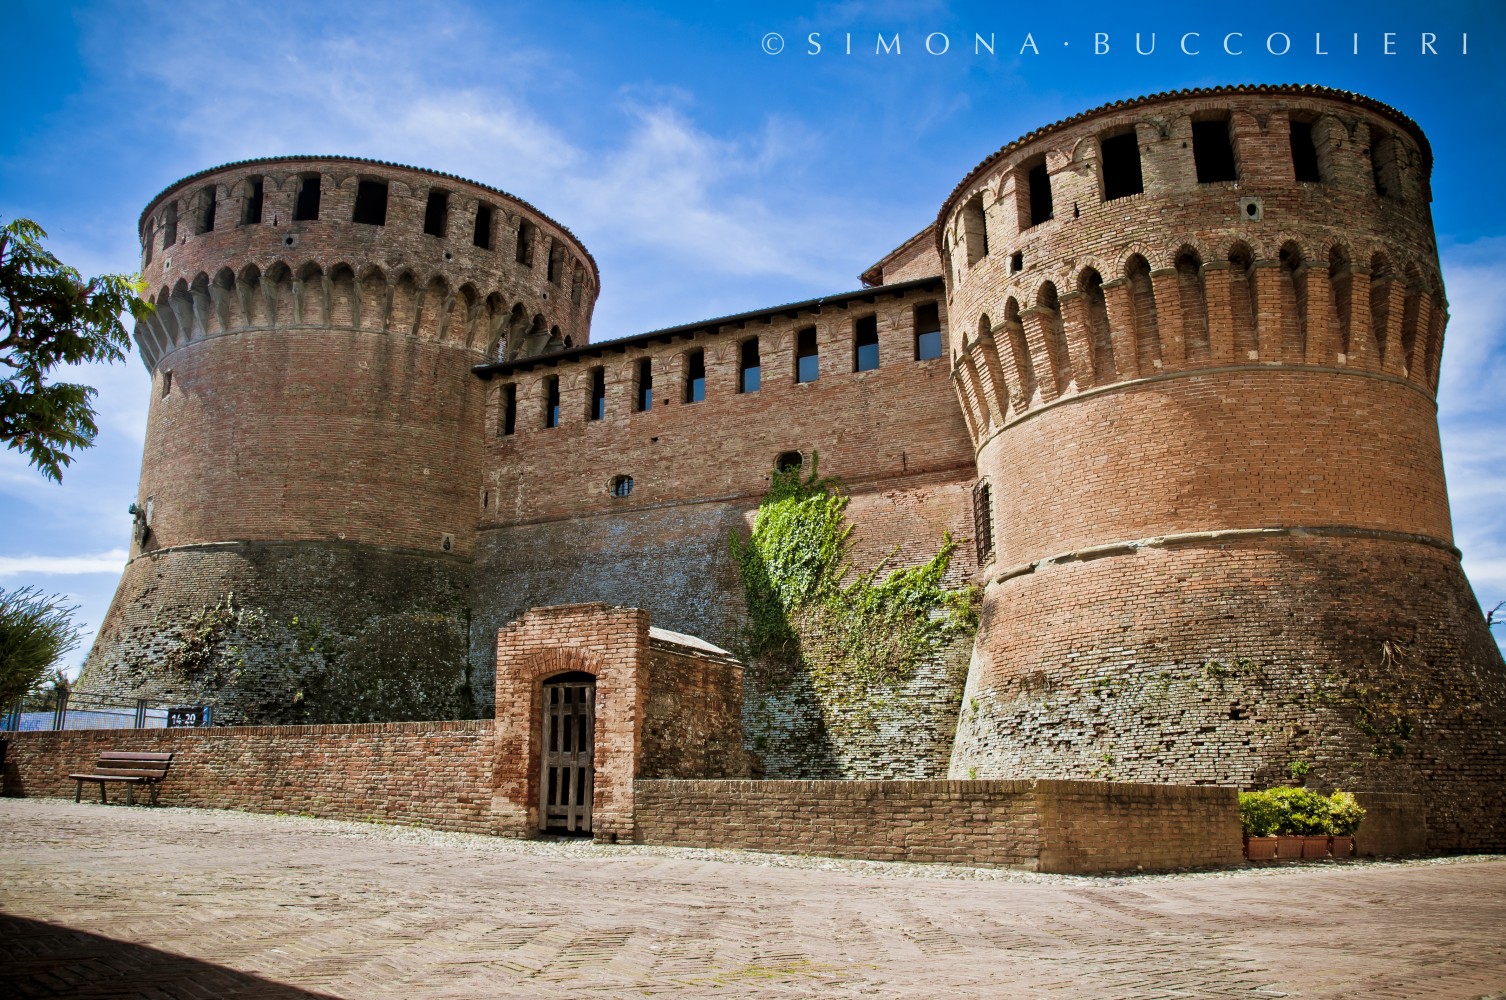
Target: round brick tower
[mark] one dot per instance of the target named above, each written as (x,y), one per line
(311,479)
(1196,337)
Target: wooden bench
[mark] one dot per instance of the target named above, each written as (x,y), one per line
(131,768)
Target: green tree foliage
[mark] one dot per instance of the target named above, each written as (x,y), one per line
(49,317)
(36,630)
(1298,811)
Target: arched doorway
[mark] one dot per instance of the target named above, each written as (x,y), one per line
(567,745)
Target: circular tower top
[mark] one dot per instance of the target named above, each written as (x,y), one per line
(445,258)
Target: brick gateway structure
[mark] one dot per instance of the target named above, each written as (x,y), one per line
(1169,364)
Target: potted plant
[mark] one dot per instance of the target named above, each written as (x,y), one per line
(1344,815)
(1258,817)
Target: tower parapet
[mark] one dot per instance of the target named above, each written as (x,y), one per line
(1196,338)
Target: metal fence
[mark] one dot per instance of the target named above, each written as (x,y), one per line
(81,711)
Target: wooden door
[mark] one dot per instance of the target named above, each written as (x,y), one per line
(568,735)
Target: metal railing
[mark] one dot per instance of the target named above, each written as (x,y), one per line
(83,711)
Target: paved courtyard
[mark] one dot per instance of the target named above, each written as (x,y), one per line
(104,901)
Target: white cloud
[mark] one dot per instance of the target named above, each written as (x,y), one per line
(105,562)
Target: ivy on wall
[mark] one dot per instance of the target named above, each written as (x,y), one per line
(853,637)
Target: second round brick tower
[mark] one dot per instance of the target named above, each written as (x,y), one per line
(1196,337)
(311,477)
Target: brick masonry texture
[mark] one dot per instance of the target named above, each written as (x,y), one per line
(1204,412)
(1054,826)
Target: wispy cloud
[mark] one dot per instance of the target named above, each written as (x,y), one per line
(104,562)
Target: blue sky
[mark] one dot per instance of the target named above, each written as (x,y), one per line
(706,175)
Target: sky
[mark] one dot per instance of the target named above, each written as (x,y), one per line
(714,157)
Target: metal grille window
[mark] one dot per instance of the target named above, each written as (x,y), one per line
(983,520)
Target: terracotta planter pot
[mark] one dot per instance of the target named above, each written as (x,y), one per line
(1315,847)
(1289,848)
(1260,848)
(1342,847)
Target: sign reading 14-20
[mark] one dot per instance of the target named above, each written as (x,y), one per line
(187,716)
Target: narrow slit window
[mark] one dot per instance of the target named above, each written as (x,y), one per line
(1305,154)
(748,366)
(206,217)
(552,401)
(437,213)
(148,243)
(526,232)
(509,409)
(1213,152)
(1042,209)
(865,346)
(371,203)
(643,394)
(695,376)
(306,204)
(975,229)
(167,382)
(556,262)
(598,394)
(482,236)
(1121,166)
(1383,166)
(927,331)
(983,520)
(807,361)
(169,227)
(251,207)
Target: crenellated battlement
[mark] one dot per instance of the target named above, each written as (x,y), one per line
(343,242)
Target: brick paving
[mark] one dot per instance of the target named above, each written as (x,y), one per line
(112,902)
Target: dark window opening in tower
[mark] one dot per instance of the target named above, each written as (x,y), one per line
(169,227)
(975,229)
(927,331)
(983,521)
(598,393)
(371,203)
(807,360)
(1121,166)
(695,376)
(251,207)
(206,215)
(556,262)
(1383,165)
(526,231)
(748,367)
(148,243)
(1041,207)
(509,409)
(552,401)
(789,461)
(482,235)
(865,347)
(437,213)
(1213,152)
(306,205)
(1305,154)
(643,389)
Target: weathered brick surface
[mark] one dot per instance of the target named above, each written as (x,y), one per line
(1065,826)
(692,716)
(1395,824)
(434,774)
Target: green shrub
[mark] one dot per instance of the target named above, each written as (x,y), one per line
(1299,812)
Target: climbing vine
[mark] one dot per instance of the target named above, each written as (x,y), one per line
(803,611)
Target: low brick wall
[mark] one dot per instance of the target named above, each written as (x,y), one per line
(433,774)
(1057,826)
(1395,823)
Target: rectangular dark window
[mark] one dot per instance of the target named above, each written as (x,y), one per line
(552,401)
(1041,207)
(306,204)
(1121,166)
(169,227)
(371,203)
(927,332)
(865,352)
(206,219)
(1213,152)
(167,382)
(695,376)
(807,361)
(526,232)
(748,366)
(251,207)
(556,262)
(643,390)
(482,237)
(1304,153)
(509,409)
(598,393)
(437,213)
(983,521)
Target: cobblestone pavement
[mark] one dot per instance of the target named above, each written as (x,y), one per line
(105,901)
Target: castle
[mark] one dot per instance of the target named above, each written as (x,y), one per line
(1166,370)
